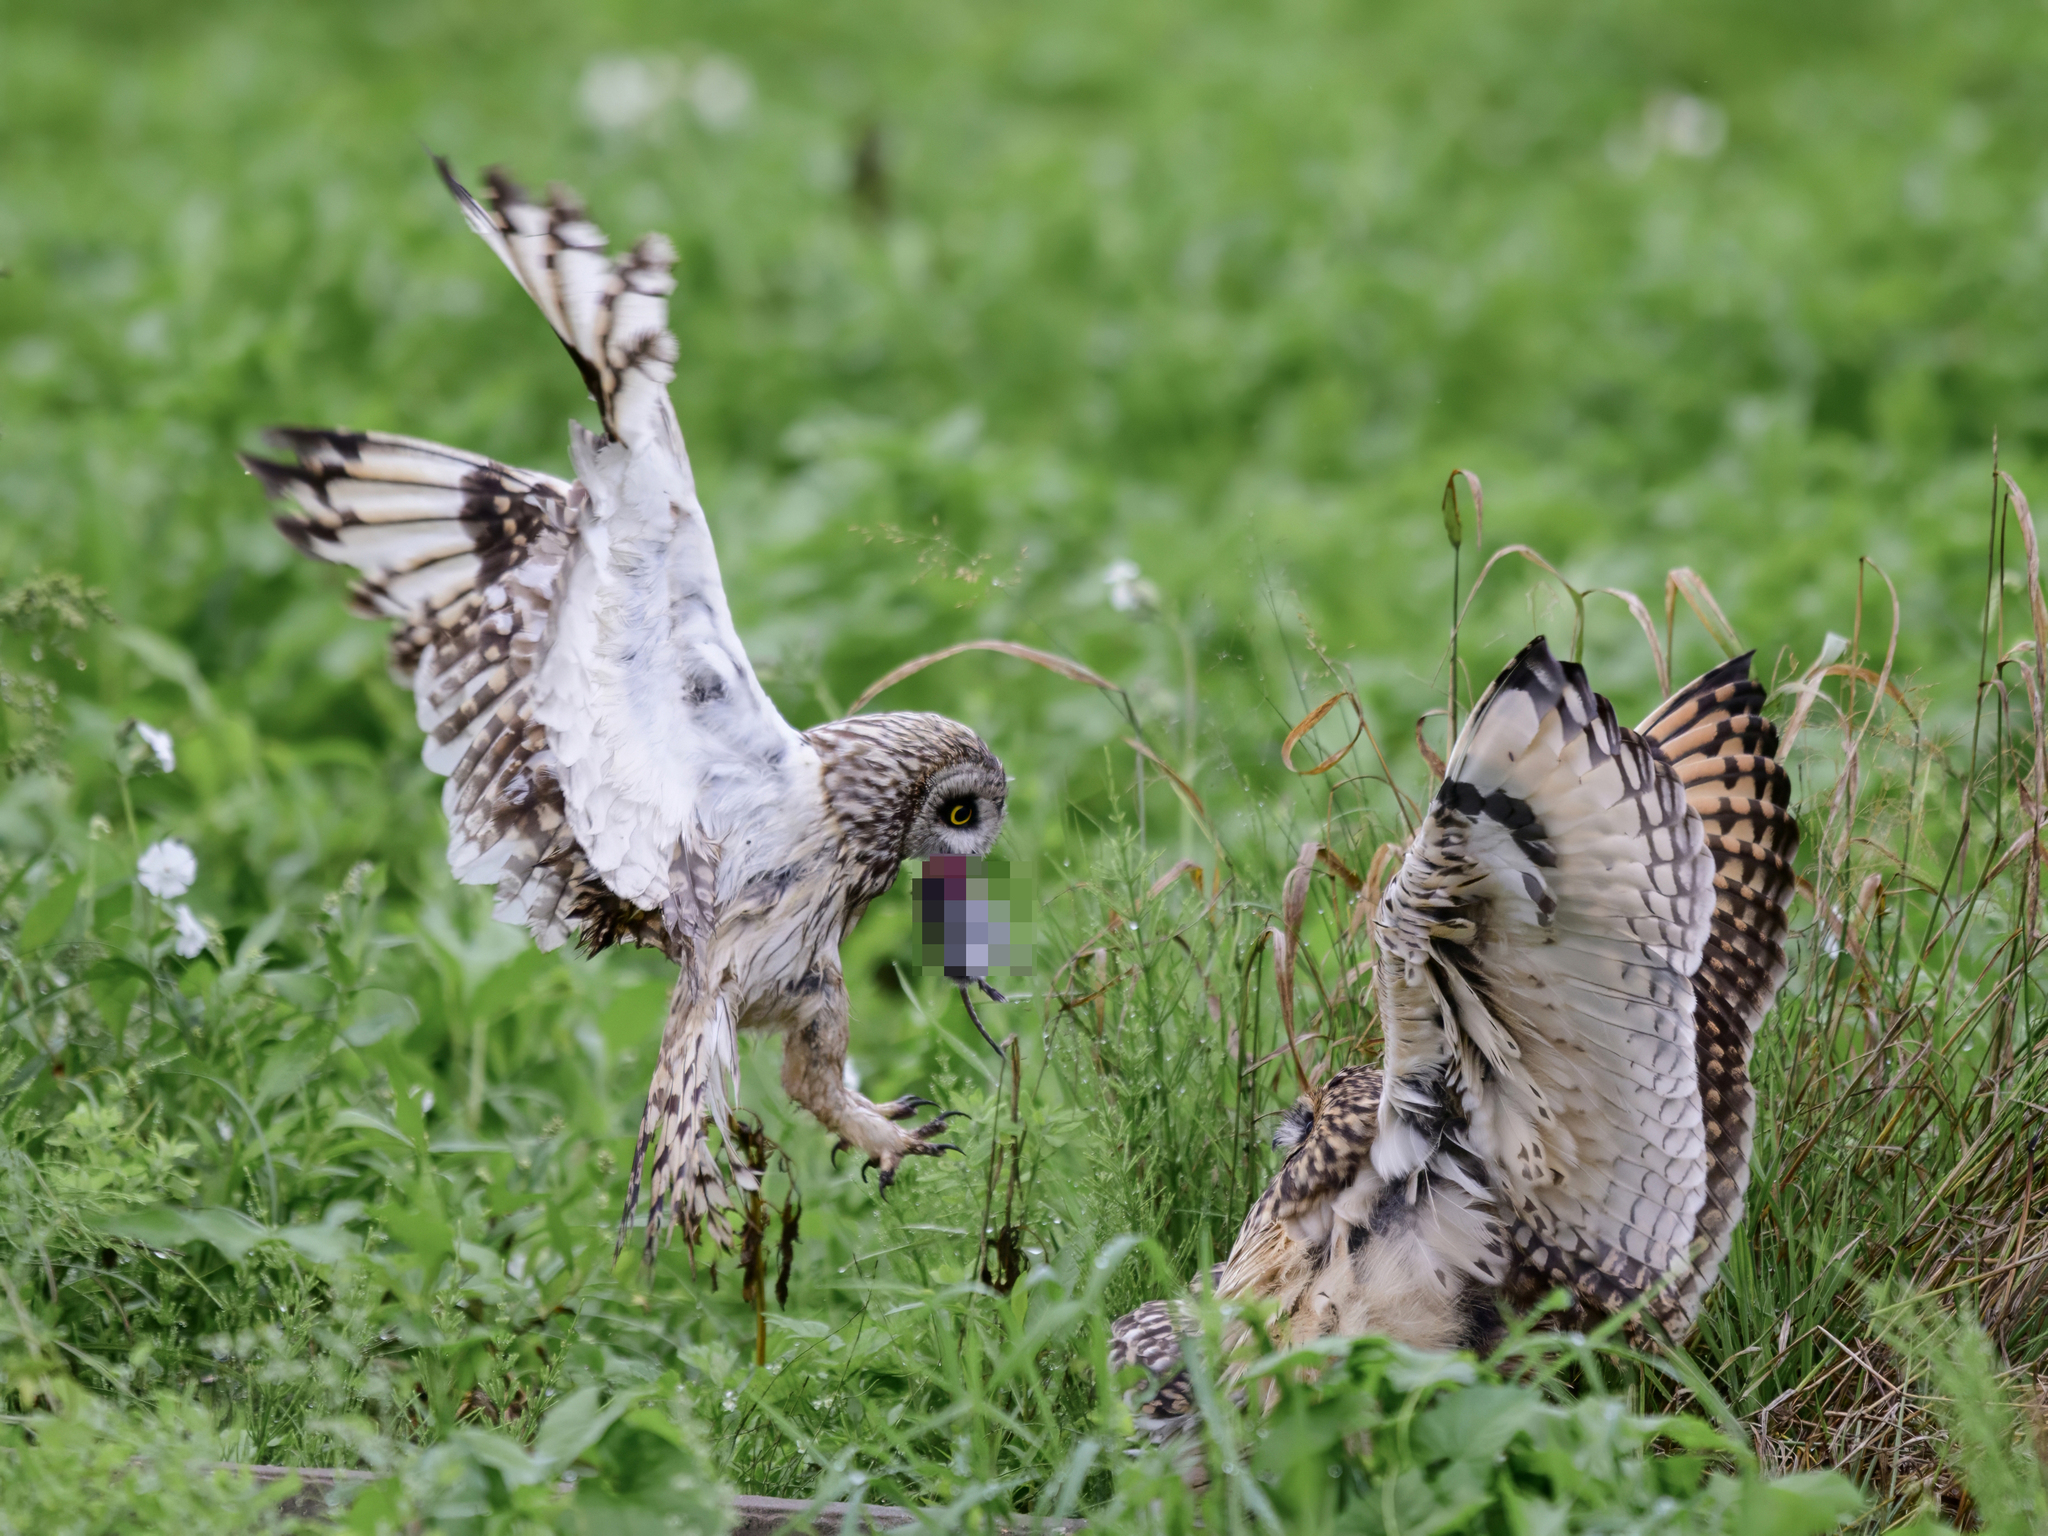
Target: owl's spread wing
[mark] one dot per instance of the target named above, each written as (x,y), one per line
(569,645)
(1714,734)
(1537,948)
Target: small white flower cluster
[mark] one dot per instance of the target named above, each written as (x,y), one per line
(623,92)
(160,746)
(1673,123)
(166,870)
(168,867)
(1129,591)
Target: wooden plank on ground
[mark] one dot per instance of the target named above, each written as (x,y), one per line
(757,1516)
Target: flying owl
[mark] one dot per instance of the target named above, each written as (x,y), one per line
(1572,959)
(614,768)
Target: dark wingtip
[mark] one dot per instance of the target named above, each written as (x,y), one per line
(1534,670)
(300,532)
(300,441)
(504,190)
(1736,669)
(276,477)
(448,180)
(471,209)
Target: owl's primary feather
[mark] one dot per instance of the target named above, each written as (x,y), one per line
(1572,960)
(614,768)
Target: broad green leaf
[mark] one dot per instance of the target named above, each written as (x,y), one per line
(579,1422)
(291,1062)
(233,1233)
(376,1013)
(1802,1504)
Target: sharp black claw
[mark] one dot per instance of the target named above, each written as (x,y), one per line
(903,1108)
(948,1114)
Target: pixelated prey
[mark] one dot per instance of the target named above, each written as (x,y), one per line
(962,906)
(614,769)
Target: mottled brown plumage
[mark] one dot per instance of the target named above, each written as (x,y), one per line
(614,768)
(1572,962)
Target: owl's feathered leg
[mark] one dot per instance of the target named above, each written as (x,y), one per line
(688,1095)
(814,1074)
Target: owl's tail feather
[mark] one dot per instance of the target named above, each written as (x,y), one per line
(611,312)
(687,1097)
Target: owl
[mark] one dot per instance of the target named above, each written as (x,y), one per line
(1571,962)
(614,769)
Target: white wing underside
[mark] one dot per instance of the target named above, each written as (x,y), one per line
(663,737)
(570,649)
(1536,950)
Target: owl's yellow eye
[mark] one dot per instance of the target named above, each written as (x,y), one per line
(961,814)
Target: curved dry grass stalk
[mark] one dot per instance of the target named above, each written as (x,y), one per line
(1064,666)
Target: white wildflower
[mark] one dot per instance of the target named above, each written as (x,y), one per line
(721,92)
(1688,126)
(1672,124)
(159,744)
(191,937)
(167,868)
(623,91)
(1129,591)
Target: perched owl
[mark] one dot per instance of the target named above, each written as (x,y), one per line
(613,766)
(1571,960)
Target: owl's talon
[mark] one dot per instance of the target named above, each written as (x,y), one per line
(918,1144)
(903,1108)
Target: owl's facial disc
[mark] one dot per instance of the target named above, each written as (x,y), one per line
(961,813)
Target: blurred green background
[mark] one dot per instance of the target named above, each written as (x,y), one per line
(976,302)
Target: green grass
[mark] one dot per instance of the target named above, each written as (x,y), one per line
(1226,291)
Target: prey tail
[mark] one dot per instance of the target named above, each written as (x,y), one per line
(687,1097)
(611,312)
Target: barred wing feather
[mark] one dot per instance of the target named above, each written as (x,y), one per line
(1573,959)
(1720,746)
(1538,946)
(569,645)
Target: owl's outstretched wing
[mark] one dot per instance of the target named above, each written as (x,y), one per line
(1537,953)
(1714,735)
(569,645)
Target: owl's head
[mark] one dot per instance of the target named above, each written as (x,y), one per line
(961,809)
(911,786)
